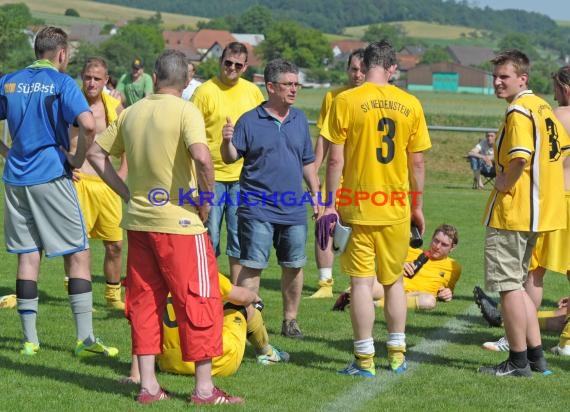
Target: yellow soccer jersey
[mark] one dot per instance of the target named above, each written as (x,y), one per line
(322,121)
(379,126)
(233,337)
(217,101)
(433,275)
(161,171)
(536,202)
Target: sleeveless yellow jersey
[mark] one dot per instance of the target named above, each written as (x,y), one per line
(218,101)
(379,126)
(536,202)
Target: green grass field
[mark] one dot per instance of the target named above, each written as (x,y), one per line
(52,12)
(422,29)
(443,345)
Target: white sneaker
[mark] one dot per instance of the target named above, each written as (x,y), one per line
(562,351)
(502,345)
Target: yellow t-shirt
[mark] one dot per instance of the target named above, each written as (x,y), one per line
(322,121)
(536,202)
(379,126)
(217,101)
(155,135)
(433,275)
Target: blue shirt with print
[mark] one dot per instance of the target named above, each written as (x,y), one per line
(39,104)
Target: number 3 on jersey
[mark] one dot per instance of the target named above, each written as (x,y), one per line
(387,127)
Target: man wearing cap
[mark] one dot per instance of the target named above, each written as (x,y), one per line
(135,85)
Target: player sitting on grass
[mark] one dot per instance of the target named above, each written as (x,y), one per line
(425,281)
(242,320)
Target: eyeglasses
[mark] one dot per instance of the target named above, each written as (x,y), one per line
(289,85)
(229,63)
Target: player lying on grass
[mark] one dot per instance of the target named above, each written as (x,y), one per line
(428,275)
(242,320)
(548,320)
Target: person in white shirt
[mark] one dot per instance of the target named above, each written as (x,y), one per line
(481,159)
(192,82)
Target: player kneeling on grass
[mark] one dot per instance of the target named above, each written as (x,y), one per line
(242,320)
(428,275)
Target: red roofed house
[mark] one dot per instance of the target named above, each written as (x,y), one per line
(204,44)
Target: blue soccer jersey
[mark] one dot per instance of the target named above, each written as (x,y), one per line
(39,104)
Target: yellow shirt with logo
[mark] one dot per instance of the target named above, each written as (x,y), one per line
(379,126)
(433,275)
(155,134)
(536,202)
(218,101)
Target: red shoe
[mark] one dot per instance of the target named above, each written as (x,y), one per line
(218,397)
(145,396)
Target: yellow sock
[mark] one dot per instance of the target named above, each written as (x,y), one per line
(364,360)
(412,302)
(543,316)
(257,334)
(565,335)
(396,355)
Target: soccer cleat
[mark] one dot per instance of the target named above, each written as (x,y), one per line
(145,397)
(489,308)
(97,348)
(290,329)
(113,297)
(8,302)
(352,369)
(29,349)
(324,291)
(218,397)
(540,366)
(505,368)
(275,357)
(561,350)
(502,345)
(397,362)
(342,301)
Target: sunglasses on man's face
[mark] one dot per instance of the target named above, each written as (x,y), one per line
(229,63)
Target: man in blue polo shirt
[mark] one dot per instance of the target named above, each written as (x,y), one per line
(41,211)
(276,146)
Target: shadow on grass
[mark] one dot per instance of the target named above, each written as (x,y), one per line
(85,381)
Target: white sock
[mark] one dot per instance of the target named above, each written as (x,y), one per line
(365,346)
(325,274)
(396,339)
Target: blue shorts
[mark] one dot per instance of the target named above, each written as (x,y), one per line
(230,192)
(256,238)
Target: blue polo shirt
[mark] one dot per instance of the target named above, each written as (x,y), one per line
(39,105)
(274,153)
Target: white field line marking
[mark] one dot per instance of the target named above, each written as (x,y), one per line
(369,389)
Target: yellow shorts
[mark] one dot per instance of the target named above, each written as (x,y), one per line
(101,207)
(233,336)
(551,250)
(377,251)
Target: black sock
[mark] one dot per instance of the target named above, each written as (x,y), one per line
(518,359)
(535,353)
